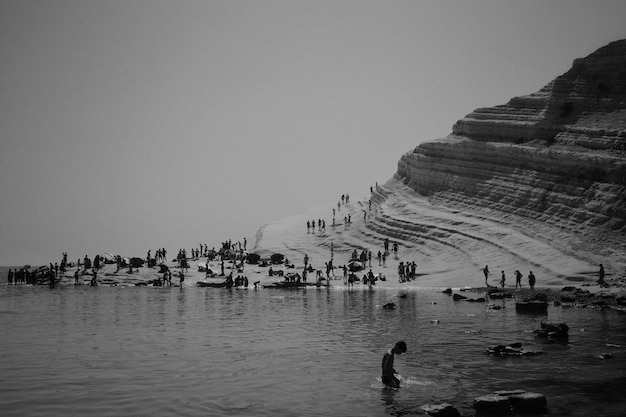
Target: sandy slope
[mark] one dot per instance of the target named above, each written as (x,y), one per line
(450,246)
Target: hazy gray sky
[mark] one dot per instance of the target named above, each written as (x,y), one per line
(132,125)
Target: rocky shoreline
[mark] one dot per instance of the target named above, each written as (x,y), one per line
(613,297)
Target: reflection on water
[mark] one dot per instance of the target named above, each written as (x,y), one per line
(140,351)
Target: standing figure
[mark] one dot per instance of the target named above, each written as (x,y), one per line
(486,272)
(502,280)
(601,276)
(531,280)
(518,279)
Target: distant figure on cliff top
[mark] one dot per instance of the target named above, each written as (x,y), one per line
(486,272)
(389,378)
(518,279)
(531,280)
(601,275)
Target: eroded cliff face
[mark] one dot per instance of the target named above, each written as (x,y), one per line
(555,156)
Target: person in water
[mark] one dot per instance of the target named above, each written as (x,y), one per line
(389,378)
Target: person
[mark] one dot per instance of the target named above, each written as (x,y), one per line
(518,278)
(388,377)
(181,278)
(351,281)
(486,272)
(502,280)
(94,279)
(601,275)
(76,277)
(531,280)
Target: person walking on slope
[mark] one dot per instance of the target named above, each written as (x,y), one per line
(486,272)
(601,276)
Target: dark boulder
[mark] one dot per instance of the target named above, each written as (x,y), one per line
(552,330)
(528,402)
(532,307)
(277,258)
(497,295)
(136,262)
(493,404)
(458,297)
(253,258)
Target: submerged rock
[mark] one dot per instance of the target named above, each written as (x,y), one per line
(552,330)
(514,349)
(441,410)
(502,402)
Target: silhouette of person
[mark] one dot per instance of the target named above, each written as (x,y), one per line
(389,378)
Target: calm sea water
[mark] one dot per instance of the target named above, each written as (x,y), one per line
(142,351)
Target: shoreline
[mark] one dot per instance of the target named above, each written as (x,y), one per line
(588,295)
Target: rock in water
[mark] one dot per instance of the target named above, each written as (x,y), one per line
(528,402)
(492,404)
(441,410)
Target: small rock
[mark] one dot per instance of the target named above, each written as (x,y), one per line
(441,410)
(458,297)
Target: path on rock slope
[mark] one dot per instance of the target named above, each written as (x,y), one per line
(449,246)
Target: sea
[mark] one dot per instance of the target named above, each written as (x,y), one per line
(150,351)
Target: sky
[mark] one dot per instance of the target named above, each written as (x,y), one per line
(126,126)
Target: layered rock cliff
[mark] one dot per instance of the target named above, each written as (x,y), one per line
(537,184)
(557,156)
